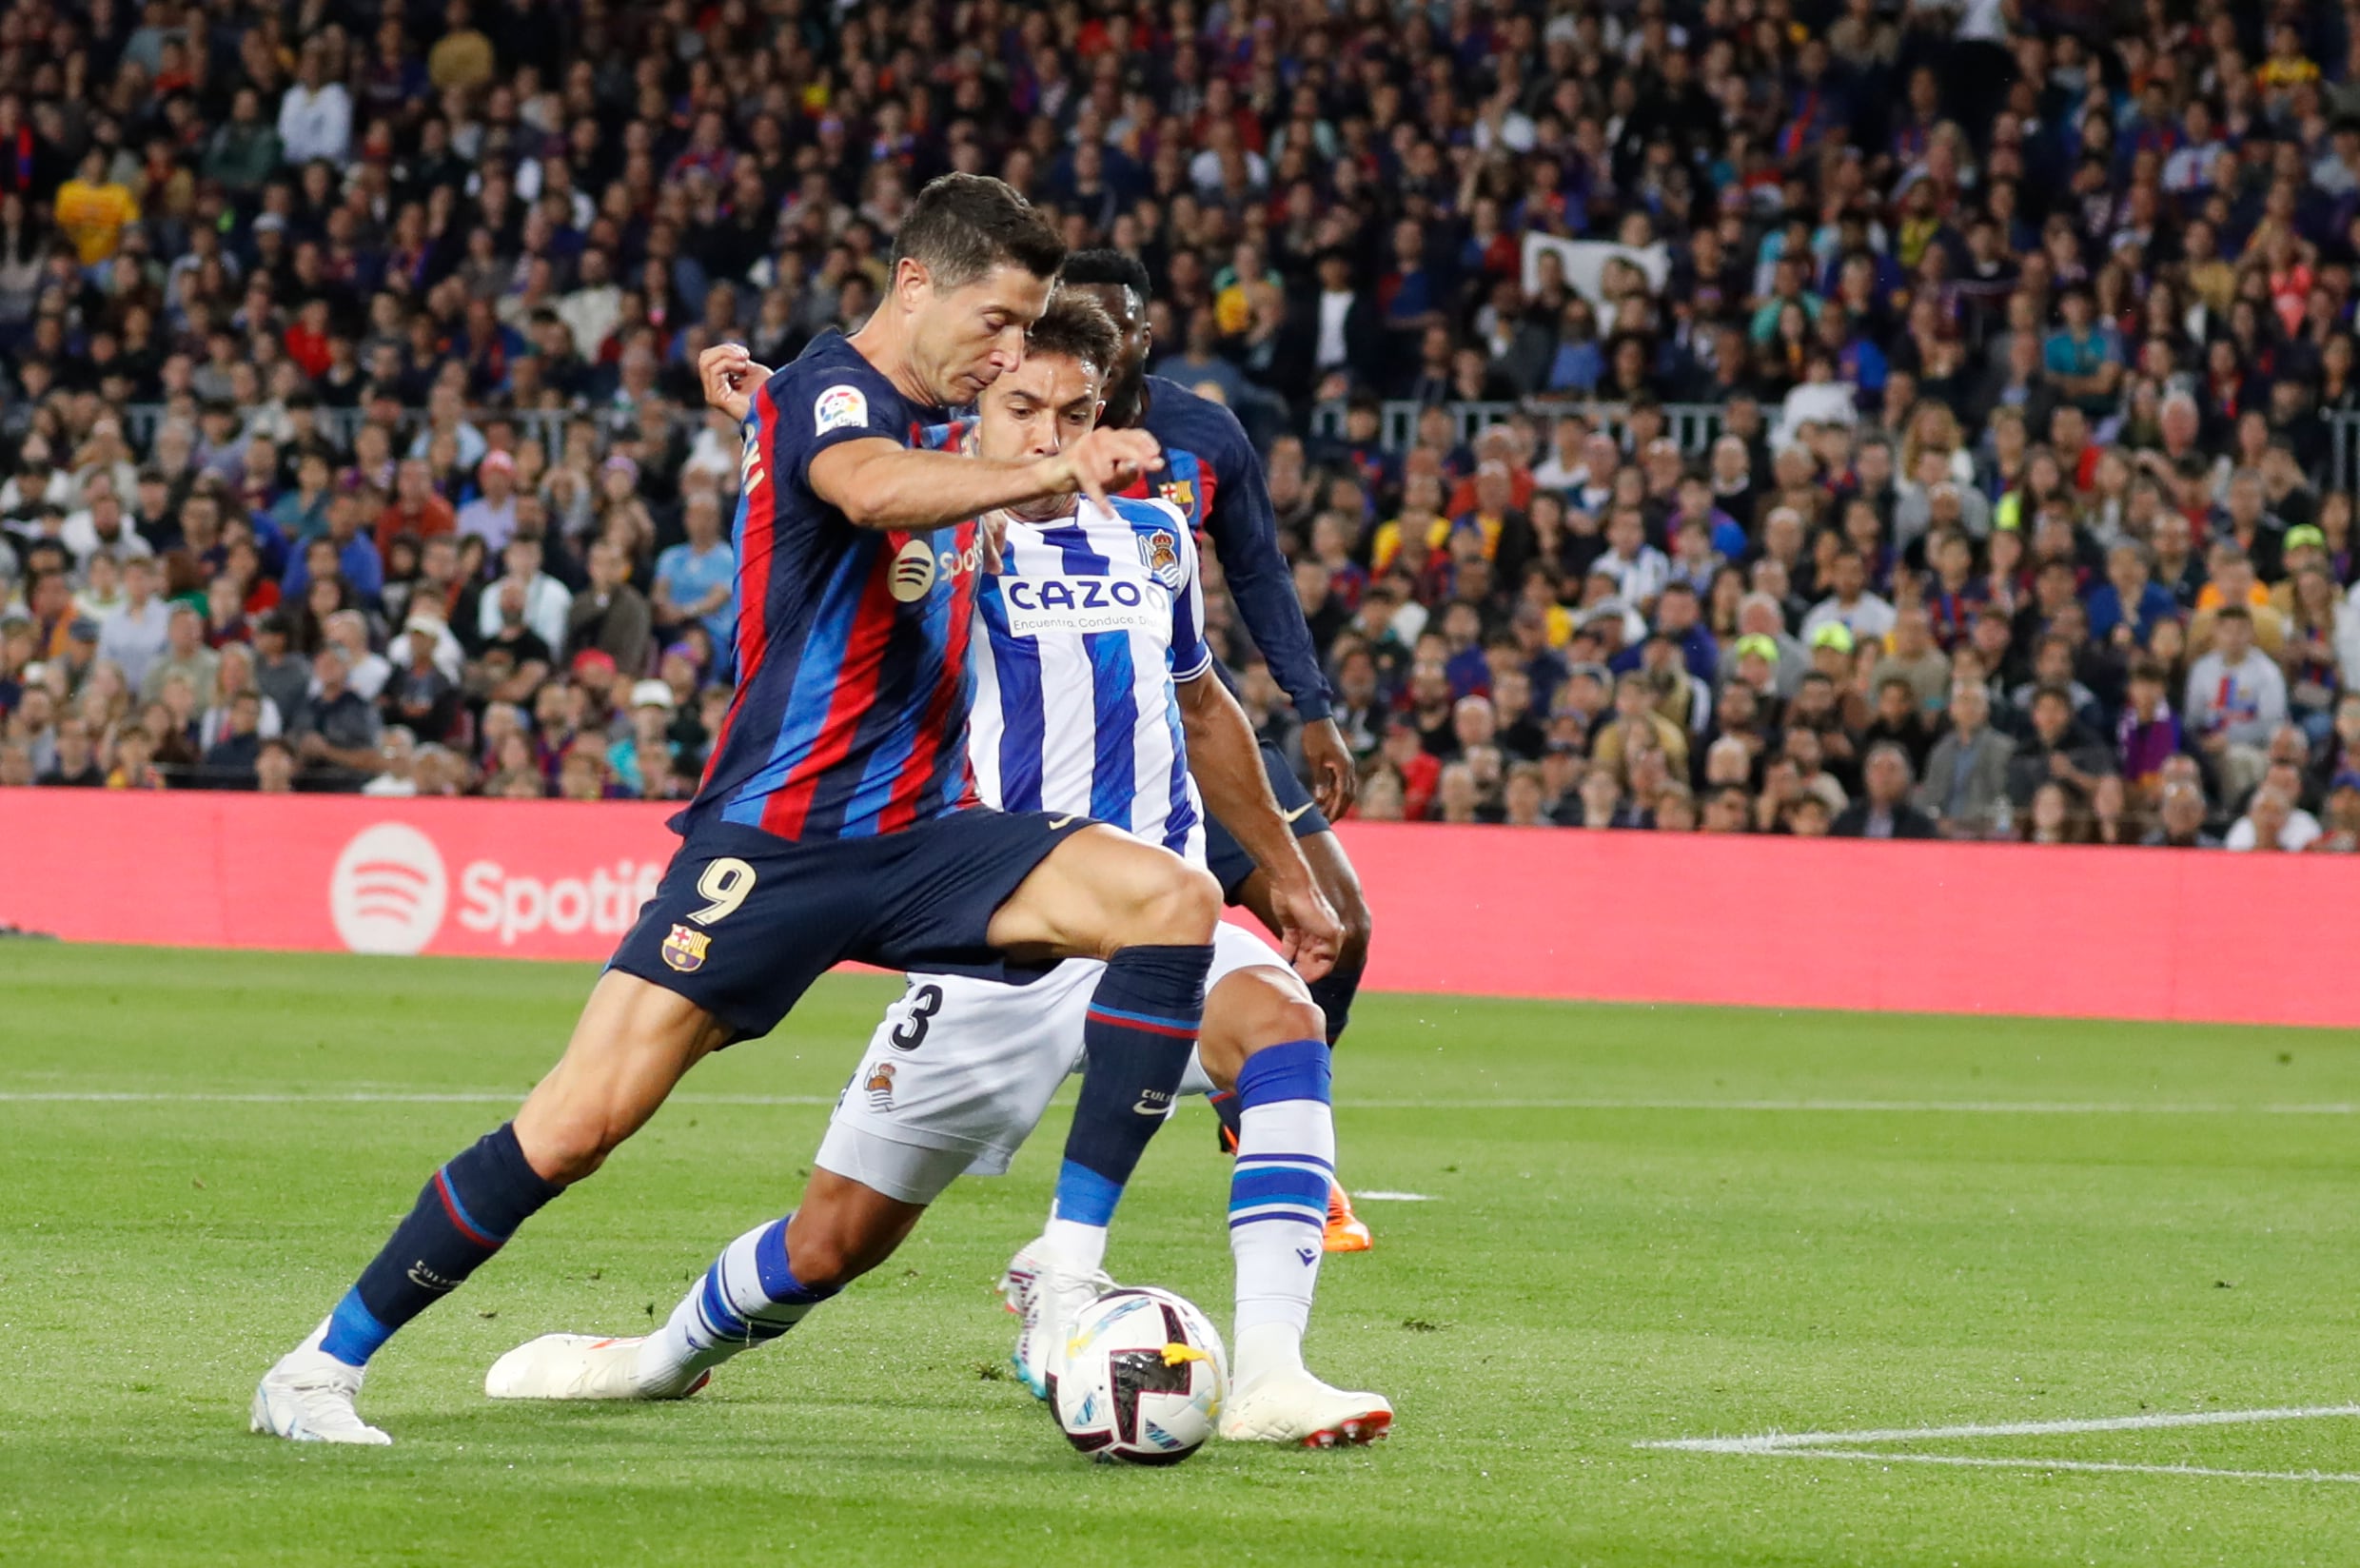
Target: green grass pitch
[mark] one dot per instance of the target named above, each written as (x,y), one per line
(1644,1224)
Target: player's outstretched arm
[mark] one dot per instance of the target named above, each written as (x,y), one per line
(1226,764)
(880,484)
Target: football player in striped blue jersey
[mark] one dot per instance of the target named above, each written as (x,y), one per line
(833,821)
(1093,697)
(1210,472)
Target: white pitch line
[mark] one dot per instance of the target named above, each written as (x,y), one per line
(2097,1466)
(1776,1442)
(367,1097)
(1381,1196)
(1965,1108)
(1961,1108)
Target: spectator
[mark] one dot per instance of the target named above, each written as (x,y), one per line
(2236,697)
(77,759)
(2273,822)
(185,655)
(492,516)
(315,117)
(92,209)
(337,728)
(275,767)
(695,579)
(1885,811)
(1967,775)
(233,759)
(542,600)
(2055,749)
(134,637)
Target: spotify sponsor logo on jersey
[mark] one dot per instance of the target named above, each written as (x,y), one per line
(389,893)
(912,571)
(1036,605)
(917,566)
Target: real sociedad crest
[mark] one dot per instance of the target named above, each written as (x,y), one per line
(1160,551)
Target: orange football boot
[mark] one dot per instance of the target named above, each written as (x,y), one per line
(1345,1232)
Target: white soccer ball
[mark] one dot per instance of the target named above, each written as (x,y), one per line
(1143,1380)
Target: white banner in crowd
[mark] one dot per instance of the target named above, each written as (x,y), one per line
(1585,263)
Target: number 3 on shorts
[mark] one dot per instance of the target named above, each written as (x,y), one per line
(726,881)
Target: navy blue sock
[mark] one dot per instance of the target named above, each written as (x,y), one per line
(1141,1026)
(1225,1105)
(464,1214)
(1334,992)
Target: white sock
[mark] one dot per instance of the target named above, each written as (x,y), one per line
(1082,1246)
(748,1297)
(1278,1211)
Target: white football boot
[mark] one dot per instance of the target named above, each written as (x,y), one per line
(307,1398)
(1290,1406)
(1049,1292)
(577,1367)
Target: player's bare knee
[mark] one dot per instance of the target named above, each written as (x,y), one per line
(1250,1010)
(1180,910)
(565,1149)
(829,1251)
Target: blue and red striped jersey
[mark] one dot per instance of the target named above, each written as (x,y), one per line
(850,716)
(1213,475)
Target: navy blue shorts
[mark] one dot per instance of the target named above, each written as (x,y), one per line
(744,921)
(1230,863)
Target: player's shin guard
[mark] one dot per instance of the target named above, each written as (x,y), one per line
(1141,1026)
(464,1214)
(749,1297)
(1278,1201)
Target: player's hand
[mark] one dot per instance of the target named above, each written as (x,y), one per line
(992,533)
(729,376)
(1333,775)
(1103,463)
(1308,932)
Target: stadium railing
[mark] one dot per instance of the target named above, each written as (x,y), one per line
(1693,425)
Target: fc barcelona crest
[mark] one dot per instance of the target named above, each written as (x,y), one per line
(685,948)
(1160,551)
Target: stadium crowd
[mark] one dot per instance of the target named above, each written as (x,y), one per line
(352,441)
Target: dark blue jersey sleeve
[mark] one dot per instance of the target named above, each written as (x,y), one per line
(1244,532)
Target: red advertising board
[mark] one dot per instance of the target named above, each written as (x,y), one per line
(2077,932)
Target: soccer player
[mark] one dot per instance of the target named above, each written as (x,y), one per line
(1093,693)
(833,820)
(1211,474)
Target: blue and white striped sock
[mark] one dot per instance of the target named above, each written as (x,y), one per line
(1278,1201)
(749,1297)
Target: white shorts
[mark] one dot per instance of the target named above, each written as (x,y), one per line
(960,1070)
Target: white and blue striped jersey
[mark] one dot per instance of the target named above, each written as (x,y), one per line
(1092,622)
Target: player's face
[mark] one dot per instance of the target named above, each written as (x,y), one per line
(965,339)
(1131,320)
(1036,410)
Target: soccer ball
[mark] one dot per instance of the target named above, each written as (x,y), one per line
(1143,1380)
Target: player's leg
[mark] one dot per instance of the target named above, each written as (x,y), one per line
(1334,992)
(761,1286)
(1150,916)
(1263,1040)
(955,1072)
(631,1045)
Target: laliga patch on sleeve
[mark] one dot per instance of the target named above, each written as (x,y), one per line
(839,409)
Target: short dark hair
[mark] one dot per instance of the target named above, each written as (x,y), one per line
(962,225)
(1077,327)
(1088,268)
